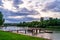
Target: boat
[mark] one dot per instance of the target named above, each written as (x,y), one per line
(46,31)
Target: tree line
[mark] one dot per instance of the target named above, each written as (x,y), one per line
(42,23)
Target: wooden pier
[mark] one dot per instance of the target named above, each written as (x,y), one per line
(34,31)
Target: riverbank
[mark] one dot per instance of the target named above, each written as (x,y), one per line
(53,28)
(14,36)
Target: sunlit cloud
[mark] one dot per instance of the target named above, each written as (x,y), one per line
(28,10)
(15,17)
(7,4)
(34,16)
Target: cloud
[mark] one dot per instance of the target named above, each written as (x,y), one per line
(19,16)
(22,12)
(17,2)
(1,2)
(52,6)
(12,5)
(28,10)
(22,19)
(34,16)
(15,17)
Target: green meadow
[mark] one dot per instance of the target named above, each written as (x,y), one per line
(14,36)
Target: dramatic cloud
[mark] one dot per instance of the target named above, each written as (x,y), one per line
(17,2)
(53,6)
(21,19)
(20,15)
(29,10)
(1,2)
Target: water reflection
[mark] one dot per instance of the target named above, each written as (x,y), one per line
(56,36)
(11,28)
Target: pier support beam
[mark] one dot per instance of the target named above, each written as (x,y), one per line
(17,31)
(25,31)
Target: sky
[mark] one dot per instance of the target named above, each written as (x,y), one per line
(16,11)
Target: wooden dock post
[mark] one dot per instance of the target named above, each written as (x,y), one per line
(36,32)
(25,31)
(17,31)
(39,30)
(32,32)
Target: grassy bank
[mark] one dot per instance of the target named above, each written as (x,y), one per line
(13,36)
(54,28)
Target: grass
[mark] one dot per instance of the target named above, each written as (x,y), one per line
(54,28)
(14,36)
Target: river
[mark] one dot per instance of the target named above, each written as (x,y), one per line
(54,36)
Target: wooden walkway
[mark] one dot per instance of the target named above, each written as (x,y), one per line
(34,31)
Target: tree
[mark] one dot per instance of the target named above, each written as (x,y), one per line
(42,22)
(1,19)
(42,19)
(51,21)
